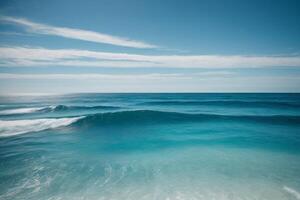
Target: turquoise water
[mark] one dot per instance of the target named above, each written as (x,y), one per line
(150,146)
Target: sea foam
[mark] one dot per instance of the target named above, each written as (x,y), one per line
(17,127)
(292,192)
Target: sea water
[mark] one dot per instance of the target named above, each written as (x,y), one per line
(150,146)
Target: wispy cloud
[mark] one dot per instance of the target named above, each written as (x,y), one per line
(29,56)
(73,33)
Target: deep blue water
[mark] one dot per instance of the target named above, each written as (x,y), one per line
(150,146)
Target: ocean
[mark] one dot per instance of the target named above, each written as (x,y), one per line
(150,146)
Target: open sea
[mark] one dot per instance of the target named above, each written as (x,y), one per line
(150,147)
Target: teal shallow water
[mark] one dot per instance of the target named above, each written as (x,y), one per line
(150,146)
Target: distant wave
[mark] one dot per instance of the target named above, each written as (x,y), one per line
(137,117)
(235,103)
(17,127)
(57,108)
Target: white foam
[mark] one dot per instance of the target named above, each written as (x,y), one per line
(292,192)
(20,111)
(17,127)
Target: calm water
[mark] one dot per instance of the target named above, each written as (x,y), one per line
(150,146)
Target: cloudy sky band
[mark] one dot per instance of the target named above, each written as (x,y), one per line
(31,56)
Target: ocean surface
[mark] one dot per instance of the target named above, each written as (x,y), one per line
(150,146)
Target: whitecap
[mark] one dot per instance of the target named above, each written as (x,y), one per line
(17,127)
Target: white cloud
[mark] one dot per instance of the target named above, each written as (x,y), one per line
(29,56)
(76,33)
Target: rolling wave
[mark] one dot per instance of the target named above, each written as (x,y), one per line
(235,103)
(17,127)
(135,118)
(141,117)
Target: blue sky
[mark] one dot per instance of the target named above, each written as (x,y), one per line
(149,46)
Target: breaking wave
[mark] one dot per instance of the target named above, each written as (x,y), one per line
(17,127)
(57,108)
(21,111)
